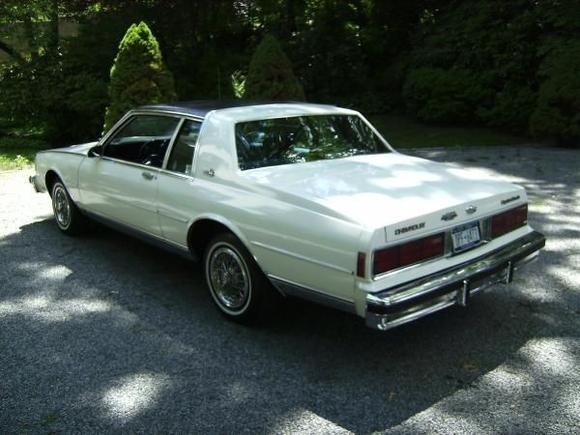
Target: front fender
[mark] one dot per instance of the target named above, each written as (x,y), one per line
(64,165)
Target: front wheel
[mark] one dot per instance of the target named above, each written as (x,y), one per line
(237,285)
(68,217)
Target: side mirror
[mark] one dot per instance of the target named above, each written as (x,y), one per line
(95,151)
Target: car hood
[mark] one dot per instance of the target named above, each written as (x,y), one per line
(82,149)
(380,190)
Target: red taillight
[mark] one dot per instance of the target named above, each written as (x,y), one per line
(408,253)
(508,221)
(360,264)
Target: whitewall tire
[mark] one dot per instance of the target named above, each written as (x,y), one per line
(237,286)
(68,217)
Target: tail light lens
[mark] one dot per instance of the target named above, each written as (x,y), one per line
(508,221)
(408,253)
(360,264)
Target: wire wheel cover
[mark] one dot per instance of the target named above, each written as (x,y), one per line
(229,278)
(61,206)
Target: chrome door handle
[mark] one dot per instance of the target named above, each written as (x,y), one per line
(209,173)
(148,175)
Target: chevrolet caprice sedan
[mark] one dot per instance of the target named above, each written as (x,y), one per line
(295,200)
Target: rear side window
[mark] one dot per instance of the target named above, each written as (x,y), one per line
(181,157)
(144,139)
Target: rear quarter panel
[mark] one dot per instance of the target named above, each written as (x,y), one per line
(289,242)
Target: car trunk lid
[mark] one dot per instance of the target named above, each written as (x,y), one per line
(405,195)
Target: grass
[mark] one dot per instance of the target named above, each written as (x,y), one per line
(16,158)
(405,133)
(18,146)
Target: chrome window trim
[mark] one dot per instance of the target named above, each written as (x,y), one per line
(388,147)
(378,134)
(132,113)
(120,123)
(182,118)
(167,112)
(176,174)
(137,165)
(171,143)
(151,168)
(195,152)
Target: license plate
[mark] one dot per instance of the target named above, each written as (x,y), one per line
(465,236)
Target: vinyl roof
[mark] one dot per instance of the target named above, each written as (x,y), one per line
(202,108)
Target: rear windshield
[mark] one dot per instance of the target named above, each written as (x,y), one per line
(302,139)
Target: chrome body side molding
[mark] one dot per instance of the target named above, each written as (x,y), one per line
(289,288)
(141,235)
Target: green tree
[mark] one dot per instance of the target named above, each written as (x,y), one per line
(270,75)
(27,27)
(557,113)
(444,96)
(32,76)
(139,75)
(488,76)
(330,50)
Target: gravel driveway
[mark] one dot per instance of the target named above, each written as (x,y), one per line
(104,333)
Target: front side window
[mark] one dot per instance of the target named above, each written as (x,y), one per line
(144,139)
(301,139)
(181,157)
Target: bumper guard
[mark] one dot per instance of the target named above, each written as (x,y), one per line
(454,286)
(32,180)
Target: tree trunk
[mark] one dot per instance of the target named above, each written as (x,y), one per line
(30,37)
(10,51)
(53,36)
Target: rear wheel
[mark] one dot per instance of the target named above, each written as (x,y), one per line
(237,285)
(68,217)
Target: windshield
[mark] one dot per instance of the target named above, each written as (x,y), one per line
(302,139)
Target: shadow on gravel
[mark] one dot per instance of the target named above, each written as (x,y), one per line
(104,333)
(116,334)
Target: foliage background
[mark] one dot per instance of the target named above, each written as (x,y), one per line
(270,75)
(509,65)
(138,76)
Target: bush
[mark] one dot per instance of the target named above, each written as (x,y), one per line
(486,77)
(270,75)
(64,97)
(139,75)
(511,108)
(87,64)
(557,112)
(438,95)
(34,94)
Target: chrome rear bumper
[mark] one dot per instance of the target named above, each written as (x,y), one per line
(402,304)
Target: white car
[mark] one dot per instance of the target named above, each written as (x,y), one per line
(291,199)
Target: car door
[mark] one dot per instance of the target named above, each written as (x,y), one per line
(121,183)
(176,198)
